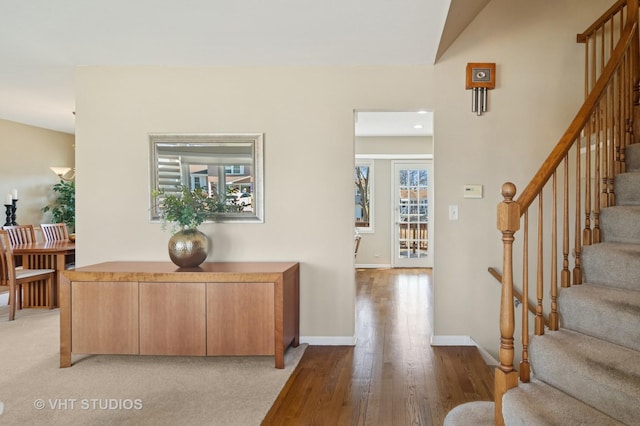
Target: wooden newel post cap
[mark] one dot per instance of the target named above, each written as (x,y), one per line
(508,210)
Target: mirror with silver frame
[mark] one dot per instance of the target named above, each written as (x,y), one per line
(229,165)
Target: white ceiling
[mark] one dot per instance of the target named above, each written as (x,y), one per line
(43,41)
(394,123)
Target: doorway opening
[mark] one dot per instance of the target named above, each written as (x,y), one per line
(393,219)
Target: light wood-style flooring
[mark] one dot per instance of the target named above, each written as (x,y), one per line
(392,376)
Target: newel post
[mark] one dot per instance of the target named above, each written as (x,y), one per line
(506,377)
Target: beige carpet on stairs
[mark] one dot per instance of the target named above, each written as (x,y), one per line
(127,390)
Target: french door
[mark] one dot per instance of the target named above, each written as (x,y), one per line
(413,210)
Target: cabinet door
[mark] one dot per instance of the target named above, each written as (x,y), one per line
(240,319)
(104,317)
(172,319)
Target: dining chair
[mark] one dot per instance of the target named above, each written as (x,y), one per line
(20,234)
(58,232)
(16,278)
(54,231)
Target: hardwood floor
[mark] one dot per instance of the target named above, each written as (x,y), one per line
(392,376)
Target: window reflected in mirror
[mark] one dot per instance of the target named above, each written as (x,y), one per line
(228,166)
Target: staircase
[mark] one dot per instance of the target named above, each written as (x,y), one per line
(588,371)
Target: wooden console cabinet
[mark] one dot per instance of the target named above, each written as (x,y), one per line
(154,308)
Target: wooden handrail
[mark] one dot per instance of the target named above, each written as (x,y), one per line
(573,131)
(582,37)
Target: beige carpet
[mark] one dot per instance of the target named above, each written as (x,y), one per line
(127,390)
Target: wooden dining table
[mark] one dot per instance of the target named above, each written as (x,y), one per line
(44,255)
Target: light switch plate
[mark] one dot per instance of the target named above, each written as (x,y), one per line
(472,191)
(453,212)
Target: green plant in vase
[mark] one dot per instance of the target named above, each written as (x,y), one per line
(183,212)
(63,210)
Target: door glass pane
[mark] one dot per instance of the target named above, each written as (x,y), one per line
(413,213)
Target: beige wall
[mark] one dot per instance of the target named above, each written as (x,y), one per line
(27,154)
(393,145)
(306,115)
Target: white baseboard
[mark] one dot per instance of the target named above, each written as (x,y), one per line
(452,341)
(372,265)
(463,341)
(4,298)
(486,356)
(329,340)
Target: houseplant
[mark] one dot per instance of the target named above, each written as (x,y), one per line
(183,212)
(63,210)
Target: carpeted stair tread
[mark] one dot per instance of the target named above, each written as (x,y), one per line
(626,188)
(603,375)
(632,157)
(608,313)
(477,413)
(612,264)
(550,407)
(618,224)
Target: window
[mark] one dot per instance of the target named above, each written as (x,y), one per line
(235,169)
(363,177)
(198,181)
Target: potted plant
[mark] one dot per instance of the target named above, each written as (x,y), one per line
(63,210)
(183,212)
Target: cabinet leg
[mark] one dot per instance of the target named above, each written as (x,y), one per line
(65,322)
(279,358)
(65,360)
